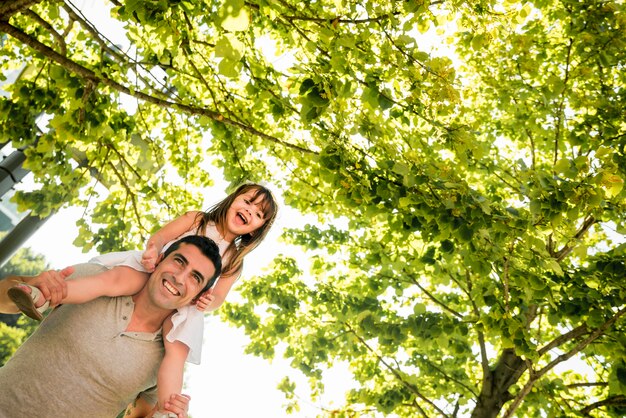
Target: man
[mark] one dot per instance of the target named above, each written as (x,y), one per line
(92,360)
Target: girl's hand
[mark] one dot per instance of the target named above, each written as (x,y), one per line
(205,300)
(52,284)
(150,257)
(178,404)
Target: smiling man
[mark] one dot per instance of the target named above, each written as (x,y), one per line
(93,359)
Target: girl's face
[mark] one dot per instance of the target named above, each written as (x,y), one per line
(245,215)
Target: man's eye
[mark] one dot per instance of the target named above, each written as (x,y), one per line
(198,278)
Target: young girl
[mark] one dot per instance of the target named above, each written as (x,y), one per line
(237,224)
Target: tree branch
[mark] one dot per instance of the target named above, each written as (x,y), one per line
(587,384)
(129,194)
(9,8)
(448,377)
(90,75)
(617,400)
(411,58)
(484,361)
(563,252)
(434,299)
(561,339)
(580,346)
(560,108)
(338,19)
(505,275)
(56,35)
(563,357)
(396,373)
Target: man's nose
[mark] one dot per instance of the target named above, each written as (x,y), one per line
(178,276)
(182,274)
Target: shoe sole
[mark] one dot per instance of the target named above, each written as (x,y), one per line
(24,302)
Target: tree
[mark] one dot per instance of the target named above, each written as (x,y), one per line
(469,202)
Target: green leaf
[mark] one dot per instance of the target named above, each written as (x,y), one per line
(447,246)
(229,47)
(419,308)
(229,68)
(400,168)
(384,102)
(237,22)
(555,266)
(562,165)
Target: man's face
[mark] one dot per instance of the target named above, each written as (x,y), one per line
(179,277)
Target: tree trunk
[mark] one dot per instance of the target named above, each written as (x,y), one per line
(495,390)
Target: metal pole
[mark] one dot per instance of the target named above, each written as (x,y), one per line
(18,236)
(11,171)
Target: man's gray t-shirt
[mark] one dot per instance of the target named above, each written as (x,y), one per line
(82,363)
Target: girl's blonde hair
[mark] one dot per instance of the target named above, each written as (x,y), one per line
(242,244)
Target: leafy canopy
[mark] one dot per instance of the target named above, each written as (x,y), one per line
(479,188)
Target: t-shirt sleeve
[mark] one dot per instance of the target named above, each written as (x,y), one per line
(150,395)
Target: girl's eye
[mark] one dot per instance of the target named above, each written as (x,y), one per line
(247,201)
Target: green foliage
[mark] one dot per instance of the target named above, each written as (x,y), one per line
(10,339)
(469,202)
(24,263)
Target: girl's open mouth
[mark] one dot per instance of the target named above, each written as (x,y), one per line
(243,218)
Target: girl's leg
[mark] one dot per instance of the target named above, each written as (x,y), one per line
(118,281)
(170,377)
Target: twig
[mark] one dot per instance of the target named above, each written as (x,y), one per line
(60,40)
(393,371)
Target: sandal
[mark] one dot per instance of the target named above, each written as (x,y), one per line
(26,301)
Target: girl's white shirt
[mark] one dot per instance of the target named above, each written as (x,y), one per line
(188,321)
